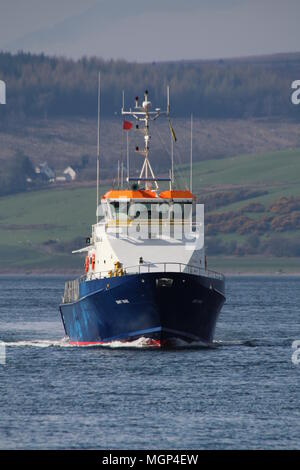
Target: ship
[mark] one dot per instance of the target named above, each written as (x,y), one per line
(146,274)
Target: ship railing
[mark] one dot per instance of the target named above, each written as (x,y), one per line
(144,268)
(172,267)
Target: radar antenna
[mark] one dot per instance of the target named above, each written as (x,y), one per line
(143,113)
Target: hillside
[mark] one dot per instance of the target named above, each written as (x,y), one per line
(252,204)
(39,229)
(63,142)
(41,86)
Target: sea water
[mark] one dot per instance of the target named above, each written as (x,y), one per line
(243,393)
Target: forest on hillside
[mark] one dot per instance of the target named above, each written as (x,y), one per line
(42,86)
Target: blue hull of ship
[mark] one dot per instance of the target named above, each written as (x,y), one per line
(160,306)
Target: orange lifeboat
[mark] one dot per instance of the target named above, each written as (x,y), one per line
(93,261)
(86,264)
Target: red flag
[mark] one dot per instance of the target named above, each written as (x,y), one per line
(127,125)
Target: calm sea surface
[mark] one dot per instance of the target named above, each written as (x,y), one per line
(244,393)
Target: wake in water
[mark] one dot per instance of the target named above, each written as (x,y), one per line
(256,343)
(140,343)
(40,343)
(147,343)
(237,342)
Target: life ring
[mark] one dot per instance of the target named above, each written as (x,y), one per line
(86,264)
(93,261)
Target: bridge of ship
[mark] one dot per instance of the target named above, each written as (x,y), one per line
(123,207)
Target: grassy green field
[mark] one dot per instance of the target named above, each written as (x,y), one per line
(35,217)
(277,173)
(274,168)
(29,220)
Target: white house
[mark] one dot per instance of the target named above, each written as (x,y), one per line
(70,173)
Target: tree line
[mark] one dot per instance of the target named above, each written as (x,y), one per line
(43,86)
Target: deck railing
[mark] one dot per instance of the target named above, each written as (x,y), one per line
(164,267)
(71,293)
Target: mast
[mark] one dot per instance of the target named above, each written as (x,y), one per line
(127,139)
(191,156)
(172,160)
(122,173)
(172,140)
(98,147)
(127,155)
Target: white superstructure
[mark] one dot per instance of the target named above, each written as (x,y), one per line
(144,226)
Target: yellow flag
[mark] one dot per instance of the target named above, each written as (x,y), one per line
(172,132)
